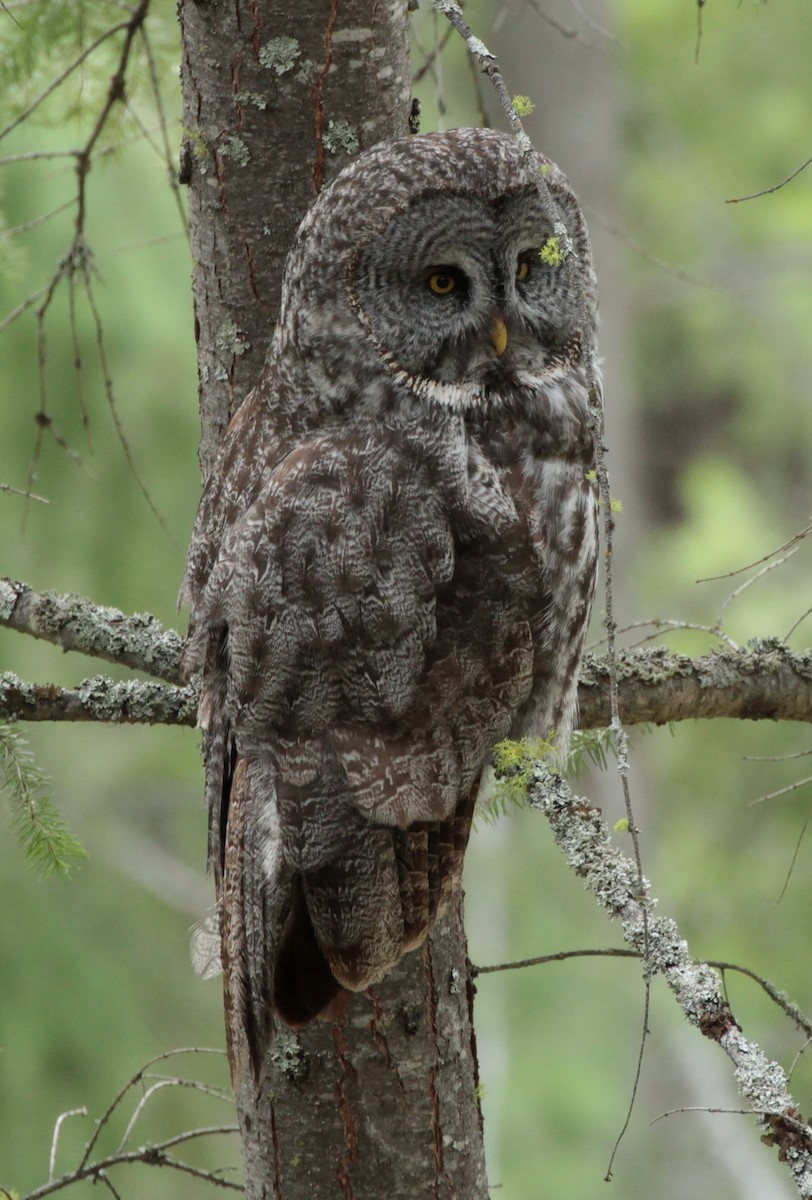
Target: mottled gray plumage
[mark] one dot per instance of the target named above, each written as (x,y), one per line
(393,561)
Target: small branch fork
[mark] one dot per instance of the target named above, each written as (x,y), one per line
(155,1154)
(613,879)
(75,268)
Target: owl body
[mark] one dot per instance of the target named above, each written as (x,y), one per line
(393,561)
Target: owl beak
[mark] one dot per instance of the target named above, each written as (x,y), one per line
(499,335)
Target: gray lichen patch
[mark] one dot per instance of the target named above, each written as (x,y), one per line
(340,137)
(252,99)
(288,1056)
(132,701)
(230,339)
(280,54)
(236,149)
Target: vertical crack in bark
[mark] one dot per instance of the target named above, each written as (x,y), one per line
(436,1123)
(470,992)
(378,1031)
(344,1106)
(318,102)
(277,1158)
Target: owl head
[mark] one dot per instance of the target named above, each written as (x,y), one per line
(448,266)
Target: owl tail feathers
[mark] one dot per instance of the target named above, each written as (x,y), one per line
(304,987)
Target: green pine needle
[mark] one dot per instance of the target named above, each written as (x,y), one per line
(46,841)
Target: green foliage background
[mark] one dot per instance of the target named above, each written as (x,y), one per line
(715,428)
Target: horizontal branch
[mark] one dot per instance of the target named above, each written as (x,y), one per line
(131,702)
(762,681)
(73,623)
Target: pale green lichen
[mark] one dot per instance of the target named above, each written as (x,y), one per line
(236,149)
(196,141)
(305,67)
(523,105)
(230,339)
(288,1055)
(340,137)
(550,253)
(280,54)
(513,764)
(545,168)
(254,99)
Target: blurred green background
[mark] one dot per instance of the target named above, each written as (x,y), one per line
(706,319)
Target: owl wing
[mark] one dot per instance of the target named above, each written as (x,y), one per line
(339,796)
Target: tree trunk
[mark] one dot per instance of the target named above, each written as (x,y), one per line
(276,98)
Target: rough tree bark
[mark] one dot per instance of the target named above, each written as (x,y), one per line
(276,96)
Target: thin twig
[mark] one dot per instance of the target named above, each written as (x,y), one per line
(791,787)
(748,566)
(703,1108)
(775,188)
(665,623)
(72,1112)
(795,624)
(648,256)
(60,79)
(795,853)
(770,566)
(561,956)
(36,221)
(131,1083)
(13,491)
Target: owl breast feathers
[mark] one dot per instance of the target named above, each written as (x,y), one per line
(393,561)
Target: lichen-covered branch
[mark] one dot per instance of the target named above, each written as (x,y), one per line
(613,879)
(127,702)
(762,681)
(74,623)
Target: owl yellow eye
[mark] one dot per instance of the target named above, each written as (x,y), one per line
(441,283)
(522,270)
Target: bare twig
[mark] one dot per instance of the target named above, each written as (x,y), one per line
(13,491)
(648,256)
(132,1082)
(703,1108)
(769,566)
(560,956)
(72,1112)
(663,623)
(790,787)
(802,533)
(775,188)
(63,75)
(36,221)
(795,624)
(778,997)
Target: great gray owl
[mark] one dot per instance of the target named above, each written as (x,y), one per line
(393,561)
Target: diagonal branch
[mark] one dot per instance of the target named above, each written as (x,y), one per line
(613,879)
(73,623)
